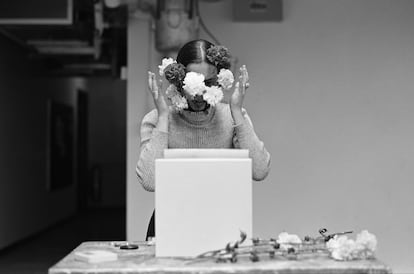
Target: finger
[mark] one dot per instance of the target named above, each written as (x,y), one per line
(243,84)
(150,80)
(155,91)
(237,87)
(241,76)
(244,74)
(154,82)
(160,83)
(245,78)
(154,86)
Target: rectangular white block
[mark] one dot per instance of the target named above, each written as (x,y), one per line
(201,204)
(205,153)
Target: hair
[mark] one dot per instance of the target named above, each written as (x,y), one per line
(194,52)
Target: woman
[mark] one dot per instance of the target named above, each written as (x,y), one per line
(196,118)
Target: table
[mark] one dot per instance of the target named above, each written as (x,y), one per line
(143,260)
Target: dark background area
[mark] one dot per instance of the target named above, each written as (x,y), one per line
(48,205)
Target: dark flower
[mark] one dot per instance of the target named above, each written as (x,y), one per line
(219,56)
(175,74)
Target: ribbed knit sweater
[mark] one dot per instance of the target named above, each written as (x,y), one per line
(213,128)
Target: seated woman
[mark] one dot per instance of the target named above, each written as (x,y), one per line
(195,117)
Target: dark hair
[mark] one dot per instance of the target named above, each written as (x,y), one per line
(194,52)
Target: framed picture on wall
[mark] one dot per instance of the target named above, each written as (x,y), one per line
(60,145)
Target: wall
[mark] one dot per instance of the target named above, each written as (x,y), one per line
(141,58)
(26,206)
(107,139)
(337,79)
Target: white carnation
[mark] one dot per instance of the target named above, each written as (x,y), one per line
(225,78)
(366,244)
(194,83)
(165,63)
(177,101)
(286,240)
(213,95)
(171,91)
(342,248)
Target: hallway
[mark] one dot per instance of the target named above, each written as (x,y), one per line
(36,254)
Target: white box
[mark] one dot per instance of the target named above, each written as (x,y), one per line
(205,153)
(201,204)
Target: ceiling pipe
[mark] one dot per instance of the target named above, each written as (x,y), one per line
(16,39)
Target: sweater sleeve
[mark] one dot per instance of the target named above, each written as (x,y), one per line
(246,138)
(153,143)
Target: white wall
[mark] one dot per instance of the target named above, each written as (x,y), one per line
(140,203)
(331,96)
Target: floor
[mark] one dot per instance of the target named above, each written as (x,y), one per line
(36,254)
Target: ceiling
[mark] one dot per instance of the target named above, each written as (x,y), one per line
(92,44)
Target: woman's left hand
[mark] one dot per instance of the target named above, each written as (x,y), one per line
(236,100)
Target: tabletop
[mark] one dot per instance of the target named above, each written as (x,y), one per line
(143,260)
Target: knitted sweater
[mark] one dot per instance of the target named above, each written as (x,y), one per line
(213,128)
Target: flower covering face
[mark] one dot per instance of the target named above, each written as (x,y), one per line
(199,83)
(201,73)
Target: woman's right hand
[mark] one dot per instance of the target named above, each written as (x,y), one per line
(155,88)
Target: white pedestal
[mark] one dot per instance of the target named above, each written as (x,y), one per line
(201,204)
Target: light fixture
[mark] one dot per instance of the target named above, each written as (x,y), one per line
(176,23)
